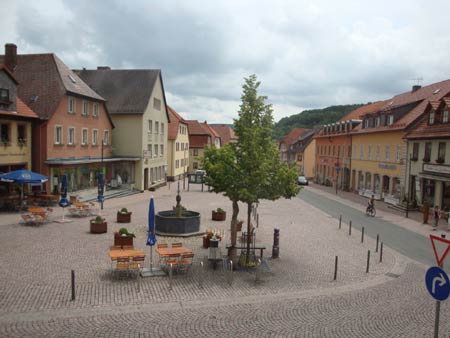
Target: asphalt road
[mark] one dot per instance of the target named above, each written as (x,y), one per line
(408,243)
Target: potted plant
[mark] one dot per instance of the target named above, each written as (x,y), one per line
(98,225)
(123,237)
(219,215)
(209,237)
(123,216)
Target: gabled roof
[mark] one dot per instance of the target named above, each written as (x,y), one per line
(44,79)
(196,128)
(368,108)
(225,132)
(22,111)
(6,70)
(127,91)
(174,123)
(293,135)
(306,138)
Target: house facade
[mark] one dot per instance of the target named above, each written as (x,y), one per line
(72,120)
(200,136)
(428,161)
(303,159)
(16,120)
(226,133)
(288,153)
(177,147)
(137,104)
(309,159)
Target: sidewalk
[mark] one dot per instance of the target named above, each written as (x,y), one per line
(413,222)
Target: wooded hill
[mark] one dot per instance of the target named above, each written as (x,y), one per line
(311,118)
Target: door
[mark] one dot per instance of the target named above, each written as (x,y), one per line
(145,178)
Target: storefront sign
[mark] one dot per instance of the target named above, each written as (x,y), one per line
(386,166)
(436,168)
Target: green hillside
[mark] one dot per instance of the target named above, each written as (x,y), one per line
(311,118)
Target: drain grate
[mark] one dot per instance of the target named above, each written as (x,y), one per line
(393,275)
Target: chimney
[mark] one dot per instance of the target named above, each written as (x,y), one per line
(103,68)
(415,88)
(10,56)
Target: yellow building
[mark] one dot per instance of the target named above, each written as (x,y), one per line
(178,146)
(304,152)
(378,165)
(309,159)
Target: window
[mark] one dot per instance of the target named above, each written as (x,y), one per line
(95,110)
(390,120)
(21,134)
(361,151)
(387,152)
(195,152)
(177,146)
(149,148)
(156,150)
(106,137)
(445,116)
(377,152)
(58,135)
(441,152)
(415,154)
(85,108)
(355,151)
(177,163)
(427,154)
(194,165)
(186,146)
(366,123)
(431,117)
(377,121)
(162,128)
(150,126)
(71,139)
(397,153)
(71,108)
(157,103)
(4,94)
(161,148)
(369,152)
(349,151)
(84,136)
(5,133)
(94,137)
(156,127)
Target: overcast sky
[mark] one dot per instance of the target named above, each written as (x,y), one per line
(307,54)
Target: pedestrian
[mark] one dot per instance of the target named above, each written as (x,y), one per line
(436,216)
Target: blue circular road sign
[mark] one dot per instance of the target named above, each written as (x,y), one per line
(437,282)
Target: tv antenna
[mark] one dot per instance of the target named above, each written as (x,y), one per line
(418,80)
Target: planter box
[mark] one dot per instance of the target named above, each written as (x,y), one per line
(122,240)
(98,228)
(218,216)
(207,242)
(123,218)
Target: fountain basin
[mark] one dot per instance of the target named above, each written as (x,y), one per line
(167,223)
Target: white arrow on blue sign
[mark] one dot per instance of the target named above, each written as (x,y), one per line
(437,282)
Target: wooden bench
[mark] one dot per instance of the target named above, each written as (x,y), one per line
(261,249)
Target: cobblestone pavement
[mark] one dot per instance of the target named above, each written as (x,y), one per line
(296,298)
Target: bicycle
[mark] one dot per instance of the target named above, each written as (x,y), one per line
(370,211)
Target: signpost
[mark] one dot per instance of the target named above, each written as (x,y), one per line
(436,280)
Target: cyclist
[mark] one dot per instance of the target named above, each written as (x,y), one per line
(371,203)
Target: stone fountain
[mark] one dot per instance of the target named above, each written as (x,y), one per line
(177,222)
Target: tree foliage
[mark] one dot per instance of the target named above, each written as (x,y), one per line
(250,170)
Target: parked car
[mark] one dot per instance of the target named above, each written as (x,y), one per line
(200,172)
(302,180)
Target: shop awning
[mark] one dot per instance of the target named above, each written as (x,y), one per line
(434,177)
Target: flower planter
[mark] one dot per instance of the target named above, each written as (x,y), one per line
(120,240)
(239,226)
(98,228)
(123,217)
(206,242)
(218,216)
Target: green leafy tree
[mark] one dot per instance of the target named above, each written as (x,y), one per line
(250,170)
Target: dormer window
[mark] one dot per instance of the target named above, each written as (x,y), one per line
(431,117)
(390,120)
(377,121)
(366,123)
(4,95)
(445,116)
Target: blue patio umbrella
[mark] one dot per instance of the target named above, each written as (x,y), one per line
(101,186)
(23,176)
(151,240)
(64,202)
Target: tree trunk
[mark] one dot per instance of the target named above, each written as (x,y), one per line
(232,253)
(249,237)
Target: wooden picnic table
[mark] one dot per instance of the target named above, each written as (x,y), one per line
(37,211)
(173,251)
(114,254)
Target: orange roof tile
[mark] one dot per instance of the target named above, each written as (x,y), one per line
(22,111)
(225,132)
(174,123)
(293,135)
(368,108)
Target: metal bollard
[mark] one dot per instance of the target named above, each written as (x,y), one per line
(230,278)
(202,275)
(257,220)
(258,271)
(276,243)
(350,228)
(170,276)
(378,239)
(368,261)
(73,284)
(340,221)
(381,252)
(362,235)
(335,268)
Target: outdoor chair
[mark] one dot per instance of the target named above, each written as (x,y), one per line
(177,245)
(185,262)
(172,259)
(162,245)
(137,264)
(123,265)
